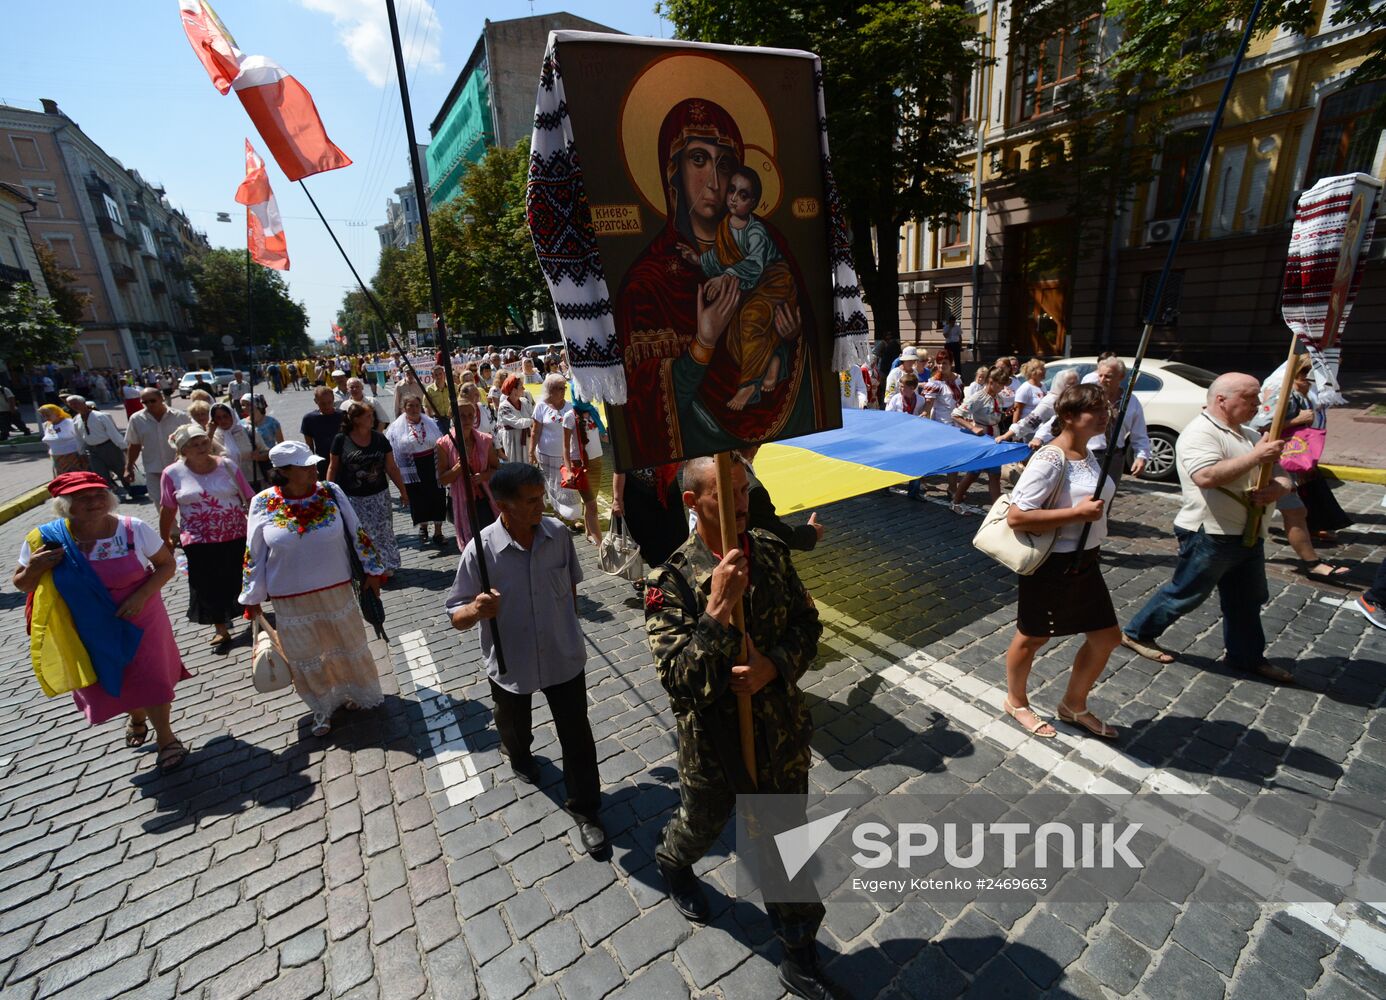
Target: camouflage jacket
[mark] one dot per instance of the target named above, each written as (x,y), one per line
(694,654)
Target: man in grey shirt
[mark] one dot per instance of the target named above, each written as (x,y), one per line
(534,574)
(147,437)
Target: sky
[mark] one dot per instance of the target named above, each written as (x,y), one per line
(124,72)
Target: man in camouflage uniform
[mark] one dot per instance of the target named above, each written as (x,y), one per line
(697,650)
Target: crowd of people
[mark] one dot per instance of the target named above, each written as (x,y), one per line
(307,527)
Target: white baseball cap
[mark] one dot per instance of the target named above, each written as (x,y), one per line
(292,453)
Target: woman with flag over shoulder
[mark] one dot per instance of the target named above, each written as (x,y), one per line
(94,579)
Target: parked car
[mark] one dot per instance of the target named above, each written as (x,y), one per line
(225,376)
(1172,393)
(189,382)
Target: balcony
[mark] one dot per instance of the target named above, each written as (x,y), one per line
(158,287)
(11,275)
(109,228)
(123,273)
(97,185)
(136,213)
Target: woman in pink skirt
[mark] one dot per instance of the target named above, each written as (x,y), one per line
(484,461)
(110,571)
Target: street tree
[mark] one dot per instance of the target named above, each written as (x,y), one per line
(70,303)
(489,276)
(218,278)
(31,330)
(893,73)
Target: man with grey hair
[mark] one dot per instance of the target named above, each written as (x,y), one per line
(534,573)
(1131,439)
(356,393)
(1218,461)
(105,444)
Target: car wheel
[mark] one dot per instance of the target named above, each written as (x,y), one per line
(1160,468)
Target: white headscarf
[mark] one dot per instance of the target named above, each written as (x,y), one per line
(408,439)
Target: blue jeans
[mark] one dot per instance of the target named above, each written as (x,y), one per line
(1205,562)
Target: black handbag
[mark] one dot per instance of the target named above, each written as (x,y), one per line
(372,609)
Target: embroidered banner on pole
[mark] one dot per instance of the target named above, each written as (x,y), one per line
(683,210)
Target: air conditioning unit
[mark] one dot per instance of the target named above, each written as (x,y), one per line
(922,287)
(1065,94)
(1160,231)
(905,287)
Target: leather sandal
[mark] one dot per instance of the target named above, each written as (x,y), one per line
(1147,649)
(1085,720)
(1041,729)
(171,756)
(136,733)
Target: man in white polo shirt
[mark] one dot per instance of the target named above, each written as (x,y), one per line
(1218,461)
(146,438)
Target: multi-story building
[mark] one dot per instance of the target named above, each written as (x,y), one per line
(112,229)
(18,262)
(492,102)
(1291,119)
(401,227)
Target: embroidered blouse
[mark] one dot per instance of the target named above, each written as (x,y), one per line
(117,546)
(210,506)
(296,547)
(1042,475)
(409,439)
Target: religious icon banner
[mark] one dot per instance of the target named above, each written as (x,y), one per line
(682,207)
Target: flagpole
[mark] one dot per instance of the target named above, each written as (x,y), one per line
(370,297)
(250,363)
(1190,196)
(436,299)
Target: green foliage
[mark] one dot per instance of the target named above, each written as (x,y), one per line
(70,303)
(891,69)
(393,290)
(31,330)
(219,282)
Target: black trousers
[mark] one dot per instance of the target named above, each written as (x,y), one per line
(568,705)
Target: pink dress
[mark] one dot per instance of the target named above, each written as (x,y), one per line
(149,678)
(479,450)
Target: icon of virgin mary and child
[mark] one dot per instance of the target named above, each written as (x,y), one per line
(712,315)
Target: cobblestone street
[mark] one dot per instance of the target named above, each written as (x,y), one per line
(396,857)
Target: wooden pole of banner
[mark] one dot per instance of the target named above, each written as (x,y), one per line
(726,509)
(1263,476)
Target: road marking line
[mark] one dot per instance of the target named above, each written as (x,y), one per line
(1352,932)
(452,756)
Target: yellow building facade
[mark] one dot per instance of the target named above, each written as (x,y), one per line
(1292,118)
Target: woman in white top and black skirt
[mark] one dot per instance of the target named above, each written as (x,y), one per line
(1066,595)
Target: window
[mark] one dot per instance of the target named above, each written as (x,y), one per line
(1168,314)
(64,251)
(950,304)
(962,98)
(45,199)
(955,231)
(1344,143)
(1055,62)
(1229,189)
(26,152)
(147,238)
(112,209)
(1178,161)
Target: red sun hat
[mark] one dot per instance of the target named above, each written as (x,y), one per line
(76,482)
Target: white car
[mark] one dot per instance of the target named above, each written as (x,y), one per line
(189,382)
(224,376)
(1172,393)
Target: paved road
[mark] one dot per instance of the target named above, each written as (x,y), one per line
(395,858)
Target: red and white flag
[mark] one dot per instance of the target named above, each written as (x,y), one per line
(284,112)
(212,42)
(281,108)
(264,229)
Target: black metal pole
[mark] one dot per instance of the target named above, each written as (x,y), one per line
(250,365)
(436,299)
(1190,196)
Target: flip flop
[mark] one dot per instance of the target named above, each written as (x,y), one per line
(1147,649)
(1333,576)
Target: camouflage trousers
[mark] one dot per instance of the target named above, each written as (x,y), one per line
(707,802)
